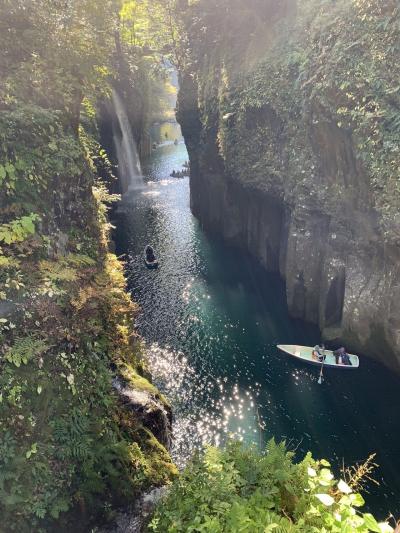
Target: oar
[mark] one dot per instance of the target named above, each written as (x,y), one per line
(321,374)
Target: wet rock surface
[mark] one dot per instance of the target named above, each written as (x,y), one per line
(157,417)
(153,413)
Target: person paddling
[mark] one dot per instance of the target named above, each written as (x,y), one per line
(319,352)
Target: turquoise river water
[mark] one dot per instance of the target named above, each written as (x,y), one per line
(211,320)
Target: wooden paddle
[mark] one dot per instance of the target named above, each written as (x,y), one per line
(321,374)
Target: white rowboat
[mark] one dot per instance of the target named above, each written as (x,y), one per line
(305,353)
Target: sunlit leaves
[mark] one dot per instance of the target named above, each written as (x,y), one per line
(240,489)
(155,27)
(135,23)
(57,49)
(326,499)
(19,229)
(343,487)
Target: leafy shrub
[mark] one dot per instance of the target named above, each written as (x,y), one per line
(24,349)
(240,489)
(18,230)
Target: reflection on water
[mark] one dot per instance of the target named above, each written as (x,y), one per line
(211,319)
(206,408)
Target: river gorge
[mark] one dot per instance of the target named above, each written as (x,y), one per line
(255,145)
(211,318)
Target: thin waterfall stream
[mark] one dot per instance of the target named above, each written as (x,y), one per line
(129,169)
(211,319)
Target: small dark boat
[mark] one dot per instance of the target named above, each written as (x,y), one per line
(149,257)
(151,264)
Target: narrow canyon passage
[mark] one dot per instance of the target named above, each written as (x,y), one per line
(211,319)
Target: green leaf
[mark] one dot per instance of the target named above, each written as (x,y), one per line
(343,487)
(20,164)
(27,223)
(326,499)
(325,477)
(371,523)
(10,169)
(324,462)
(357,500)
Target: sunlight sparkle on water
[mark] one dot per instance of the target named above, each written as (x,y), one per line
(215,413)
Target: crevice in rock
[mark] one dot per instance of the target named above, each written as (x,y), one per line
(335,300)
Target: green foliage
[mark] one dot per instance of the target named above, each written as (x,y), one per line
(71,433)
(358,87)
(291,97)
(8,262)
(240,489)
(55,51)
(18,230)
(34,143)
(97,157)
(153,25)
(25,349)
(69,442)
(67,445)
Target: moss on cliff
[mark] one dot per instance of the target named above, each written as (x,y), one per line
(306,95)
(70,448)
(66,327)
(296,106)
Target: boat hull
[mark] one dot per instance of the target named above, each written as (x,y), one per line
(304,353)
(151,265)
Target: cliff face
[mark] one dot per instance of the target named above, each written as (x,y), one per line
(72,441)
(82,430)
(292,121)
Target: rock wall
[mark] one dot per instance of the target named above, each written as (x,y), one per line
(292,161)
(73,445)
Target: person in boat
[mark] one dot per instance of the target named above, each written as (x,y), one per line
(342,357)
(319,352)
(150,257)
(346,359)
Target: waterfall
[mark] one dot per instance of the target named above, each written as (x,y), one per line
(129,171)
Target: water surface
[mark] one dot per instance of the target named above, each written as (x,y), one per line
(211,319)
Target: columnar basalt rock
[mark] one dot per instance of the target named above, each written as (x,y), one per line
(277,171)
